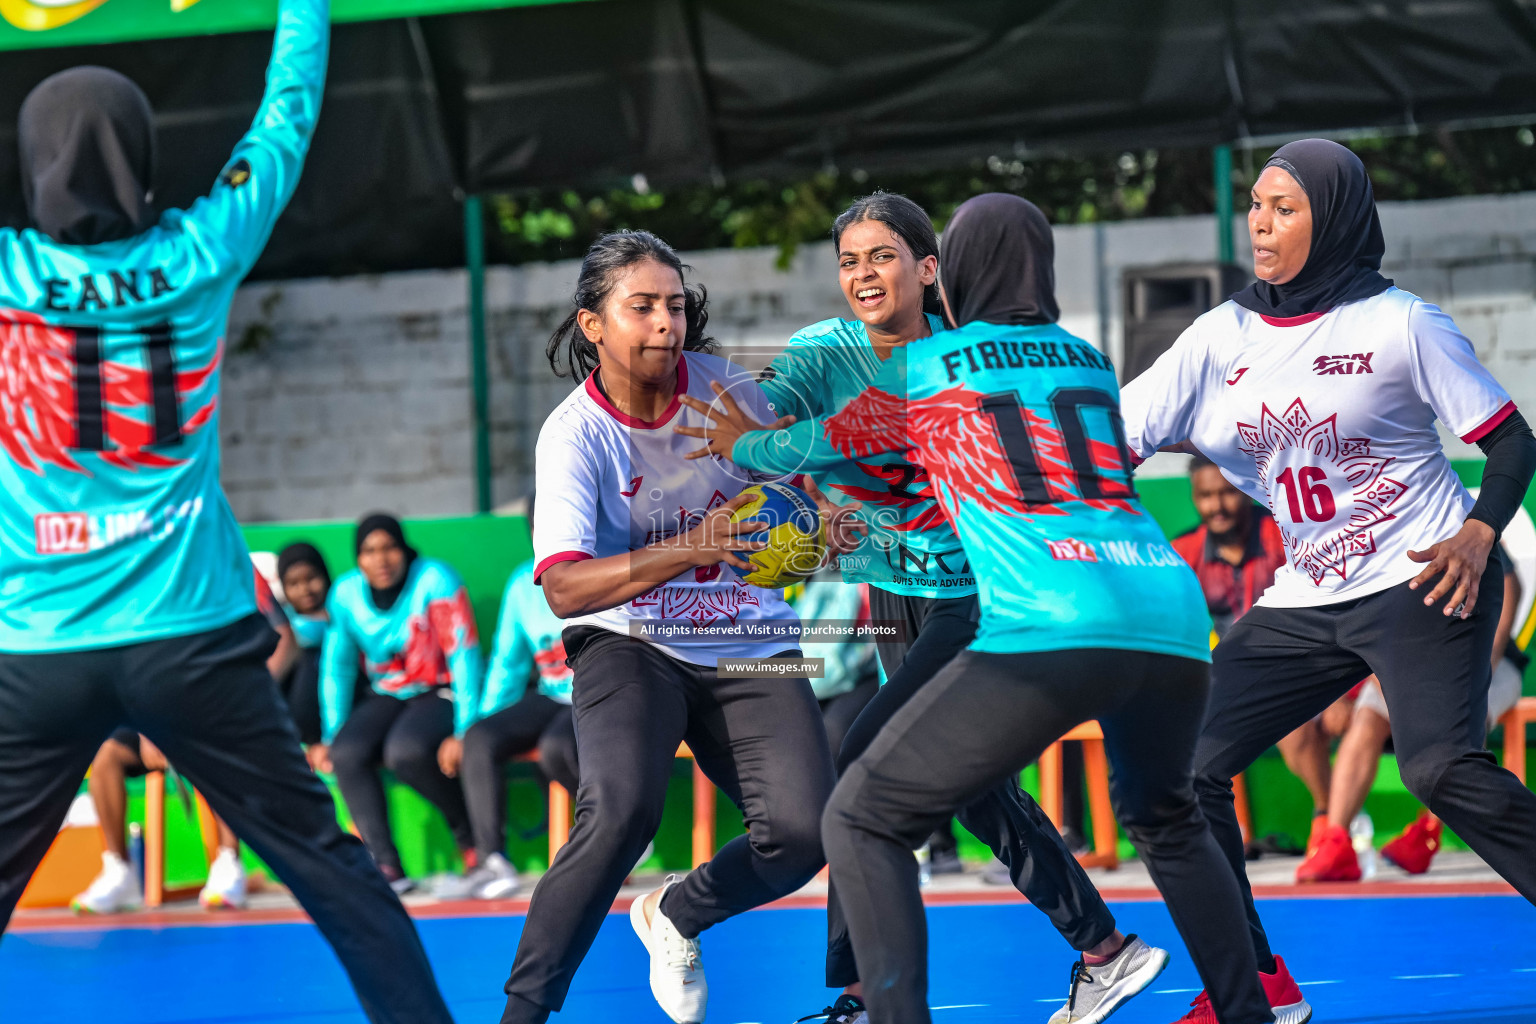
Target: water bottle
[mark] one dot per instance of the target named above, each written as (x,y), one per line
(1361,835)
(924,876)
(136,852)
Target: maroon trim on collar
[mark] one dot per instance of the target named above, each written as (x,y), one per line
(1292,321)
(596,394)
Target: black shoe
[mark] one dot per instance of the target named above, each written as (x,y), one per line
(847,1010)
(1074,840)
(945,862)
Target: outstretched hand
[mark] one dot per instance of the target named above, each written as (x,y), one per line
(840,524)
(717,539)
(1459,561)
(727,422)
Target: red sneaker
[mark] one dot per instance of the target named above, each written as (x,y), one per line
(1319,829)
(1333,861)
(1416,847)
(1200,1012)
(1285,1000)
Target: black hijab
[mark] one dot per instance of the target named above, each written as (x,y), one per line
(302,554)
(87,148)
(385,599)
(1345,261)
(997,262)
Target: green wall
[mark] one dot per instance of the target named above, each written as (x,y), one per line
(483,549)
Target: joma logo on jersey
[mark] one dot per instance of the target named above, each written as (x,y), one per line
(74,533)
(686,520)
(1325,366)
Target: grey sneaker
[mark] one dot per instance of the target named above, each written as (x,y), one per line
(1101,989)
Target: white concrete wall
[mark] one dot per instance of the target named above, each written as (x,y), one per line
(341,396)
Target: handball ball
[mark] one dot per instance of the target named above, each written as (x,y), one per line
(796,545)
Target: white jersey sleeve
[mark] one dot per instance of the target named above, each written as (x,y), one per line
(1159,406)
(1448,376)
(567,488)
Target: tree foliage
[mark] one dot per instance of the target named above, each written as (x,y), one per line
(559,224)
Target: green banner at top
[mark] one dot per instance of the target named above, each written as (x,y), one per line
(31,24)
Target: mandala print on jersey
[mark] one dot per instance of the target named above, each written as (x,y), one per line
(1360,510)
(703,606)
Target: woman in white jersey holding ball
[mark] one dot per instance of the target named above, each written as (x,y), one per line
(630,532)
(1316,390)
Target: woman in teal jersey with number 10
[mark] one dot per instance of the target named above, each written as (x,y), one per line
(1087,613)
(920,579)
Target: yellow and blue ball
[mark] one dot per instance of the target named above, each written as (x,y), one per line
(796,545)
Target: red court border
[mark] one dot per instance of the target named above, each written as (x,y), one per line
(58,921)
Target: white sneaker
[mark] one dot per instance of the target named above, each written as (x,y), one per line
(498,879)
(677,972)
(225,888)
(111,892)
(1100,990)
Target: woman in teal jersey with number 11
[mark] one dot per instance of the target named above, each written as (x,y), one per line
(920,579)
(125,585)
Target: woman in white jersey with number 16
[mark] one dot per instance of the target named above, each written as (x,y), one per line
(630,533)
(1316,390)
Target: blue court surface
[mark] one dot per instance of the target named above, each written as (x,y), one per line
(1443,959)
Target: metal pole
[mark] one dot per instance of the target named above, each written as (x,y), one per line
(1221,172)
(474,260)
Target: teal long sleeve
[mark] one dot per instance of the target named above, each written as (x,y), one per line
(338,676)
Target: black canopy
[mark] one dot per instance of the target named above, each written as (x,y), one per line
(421,111)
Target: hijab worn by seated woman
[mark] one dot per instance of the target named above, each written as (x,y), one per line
(997,261)
(1344,263)
(301,553)
(385,599)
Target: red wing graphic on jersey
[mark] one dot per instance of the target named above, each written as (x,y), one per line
(950,429)
(700,605)
(38,414)
(874,422)
(551,661)
(421,663)
(453,620)
(907,486)
(1360,510)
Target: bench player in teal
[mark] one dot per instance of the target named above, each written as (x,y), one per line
(917,570)
(1086,613)
(125,585)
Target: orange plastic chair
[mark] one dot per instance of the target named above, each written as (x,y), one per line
(1514,722)
(156,892)
(1104,852)
(703,811)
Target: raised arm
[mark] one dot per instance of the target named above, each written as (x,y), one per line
(233,221)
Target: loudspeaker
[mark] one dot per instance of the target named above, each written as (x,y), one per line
(1161,301)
